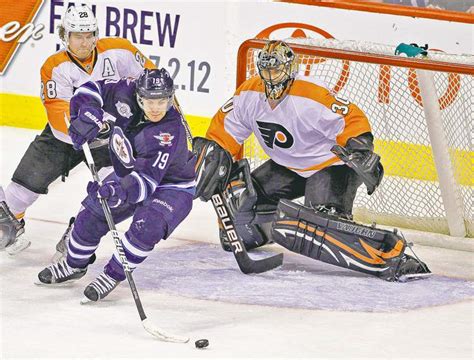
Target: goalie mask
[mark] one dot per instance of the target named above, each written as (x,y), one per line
(277,68)
(79,19)
(155,93)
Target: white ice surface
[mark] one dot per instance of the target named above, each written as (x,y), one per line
(39,322)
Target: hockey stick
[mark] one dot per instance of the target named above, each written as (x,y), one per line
(152,329)
(189,136)
(246,264)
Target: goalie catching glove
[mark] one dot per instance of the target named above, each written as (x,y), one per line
(213,167)
(358,154)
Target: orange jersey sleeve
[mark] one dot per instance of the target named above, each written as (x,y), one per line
(56,91)
(217,132)
(230,112)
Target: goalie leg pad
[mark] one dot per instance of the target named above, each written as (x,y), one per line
(344,243)
(253,236)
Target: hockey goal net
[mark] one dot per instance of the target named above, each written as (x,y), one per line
(421,112)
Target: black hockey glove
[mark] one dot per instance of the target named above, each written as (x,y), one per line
(358,154)
(212,168)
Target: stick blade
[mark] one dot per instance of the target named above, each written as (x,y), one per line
(250,266)
(163,335)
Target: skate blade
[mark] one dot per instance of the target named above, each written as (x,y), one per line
(413,277)
(86,301)
(58,285)
(18,246)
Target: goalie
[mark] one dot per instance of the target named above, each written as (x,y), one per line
(321,147)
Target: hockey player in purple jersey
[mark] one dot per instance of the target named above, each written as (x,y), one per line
(153,177)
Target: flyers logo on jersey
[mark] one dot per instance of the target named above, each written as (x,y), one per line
(17,27)
(275,134)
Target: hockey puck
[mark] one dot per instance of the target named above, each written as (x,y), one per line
(202,343)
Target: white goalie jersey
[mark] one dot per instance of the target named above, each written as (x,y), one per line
(298,133)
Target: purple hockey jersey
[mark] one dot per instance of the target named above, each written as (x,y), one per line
(149,155)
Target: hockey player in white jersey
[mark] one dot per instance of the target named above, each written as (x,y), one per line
(321,147)
(85,57)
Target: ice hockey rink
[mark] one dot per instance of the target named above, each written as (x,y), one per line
(190,287)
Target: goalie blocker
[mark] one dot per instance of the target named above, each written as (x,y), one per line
(213,168)
(326,237)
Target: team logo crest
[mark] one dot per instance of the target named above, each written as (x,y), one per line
(165,138)
(123,109)
(122,148)
(275,134)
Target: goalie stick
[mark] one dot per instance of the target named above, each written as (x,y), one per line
(151,328)
(246,264)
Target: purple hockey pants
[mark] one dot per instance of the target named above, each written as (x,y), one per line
(153,219)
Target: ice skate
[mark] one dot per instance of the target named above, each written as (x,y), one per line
(102,286)
(12,238)
(61,246)
(411,268)
(59,272)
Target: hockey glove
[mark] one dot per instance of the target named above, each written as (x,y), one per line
(85,126)
(213,167)
(358,154)
(113,192)
(92,187)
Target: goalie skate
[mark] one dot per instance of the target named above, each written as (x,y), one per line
(411,268)
(102,286)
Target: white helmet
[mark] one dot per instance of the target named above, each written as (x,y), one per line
(79,19)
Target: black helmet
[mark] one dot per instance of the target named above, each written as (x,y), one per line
(154,84)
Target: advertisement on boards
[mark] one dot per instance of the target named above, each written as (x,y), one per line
(196,41)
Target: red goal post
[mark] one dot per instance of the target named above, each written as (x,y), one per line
(421,111)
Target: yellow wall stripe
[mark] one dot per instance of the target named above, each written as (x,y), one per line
(407,160)
(22,111)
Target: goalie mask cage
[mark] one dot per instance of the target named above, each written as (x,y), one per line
(421,113)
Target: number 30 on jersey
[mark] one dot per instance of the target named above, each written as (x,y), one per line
(344,108)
